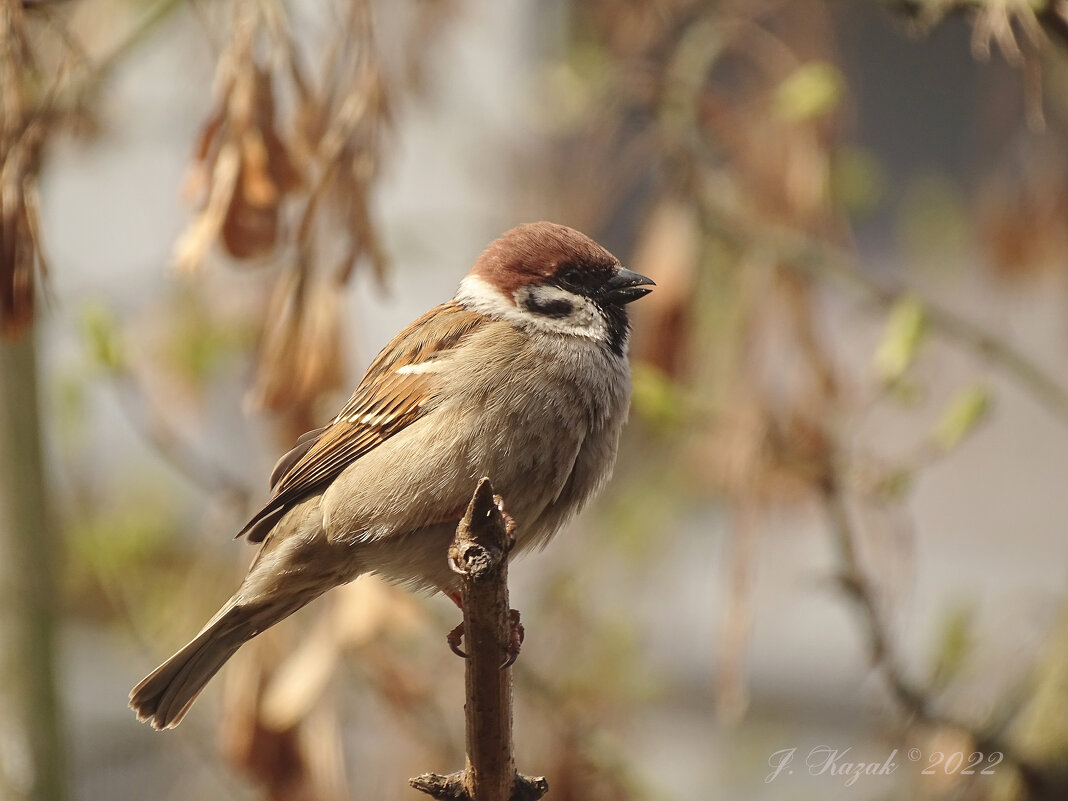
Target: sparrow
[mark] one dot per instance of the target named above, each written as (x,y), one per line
(522,377)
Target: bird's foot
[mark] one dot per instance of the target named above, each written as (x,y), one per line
(454,638)
(516,633)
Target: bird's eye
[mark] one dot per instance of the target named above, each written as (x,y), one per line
(571,277)
(569,274)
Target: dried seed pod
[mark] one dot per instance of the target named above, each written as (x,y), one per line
(22,134)
(18,261)
(300,355)
(242,165)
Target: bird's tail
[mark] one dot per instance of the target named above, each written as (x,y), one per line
(165,695)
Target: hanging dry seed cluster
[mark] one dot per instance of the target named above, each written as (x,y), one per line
(21,135)
(295,190)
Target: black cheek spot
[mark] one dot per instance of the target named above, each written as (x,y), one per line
(557,307)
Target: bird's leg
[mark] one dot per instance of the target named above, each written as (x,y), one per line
(456,636)
(516,633)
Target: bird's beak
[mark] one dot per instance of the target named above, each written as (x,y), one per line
(626,286)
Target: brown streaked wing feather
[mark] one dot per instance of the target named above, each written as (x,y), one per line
(383,404)
(259,527)
(291,457)
(349,437)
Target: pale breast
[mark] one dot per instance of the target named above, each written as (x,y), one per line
(546,429)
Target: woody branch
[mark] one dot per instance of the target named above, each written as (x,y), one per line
(480,554)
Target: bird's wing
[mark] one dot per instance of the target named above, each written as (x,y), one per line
(397,389)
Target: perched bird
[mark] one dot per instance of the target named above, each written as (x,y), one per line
(521,377)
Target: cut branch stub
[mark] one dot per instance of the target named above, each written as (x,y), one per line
(483,537)
(479,553)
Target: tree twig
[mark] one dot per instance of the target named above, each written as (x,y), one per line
(825,261)
(480,554)
(911,698)
(158,432)
(1020,367)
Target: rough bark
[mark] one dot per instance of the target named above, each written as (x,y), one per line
(480,554)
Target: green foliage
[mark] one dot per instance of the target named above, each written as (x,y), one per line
(933,220)
(812,90)
(69,396)
(1041,731)
(641,498)
(970,407)
(858,180)
(603,663)
(571,86)
(894,486)
(122,535)
(121,544)
(657,398)
(103,342)
(198,343)
(955,644)
(902,337)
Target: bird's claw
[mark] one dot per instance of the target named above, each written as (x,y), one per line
(509,522)
(455,567)
(454,638)
(516,633)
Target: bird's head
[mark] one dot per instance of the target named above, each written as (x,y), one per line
(550,278)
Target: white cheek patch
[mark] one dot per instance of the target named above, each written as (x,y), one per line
(581,317)
(561,310)
(550,301)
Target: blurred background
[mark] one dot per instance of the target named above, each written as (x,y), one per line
(838,518)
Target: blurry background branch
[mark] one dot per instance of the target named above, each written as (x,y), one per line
(826,262)
(915,701)
(32,756)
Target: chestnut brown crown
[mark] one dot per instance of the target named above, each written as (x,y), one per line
(535,253)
